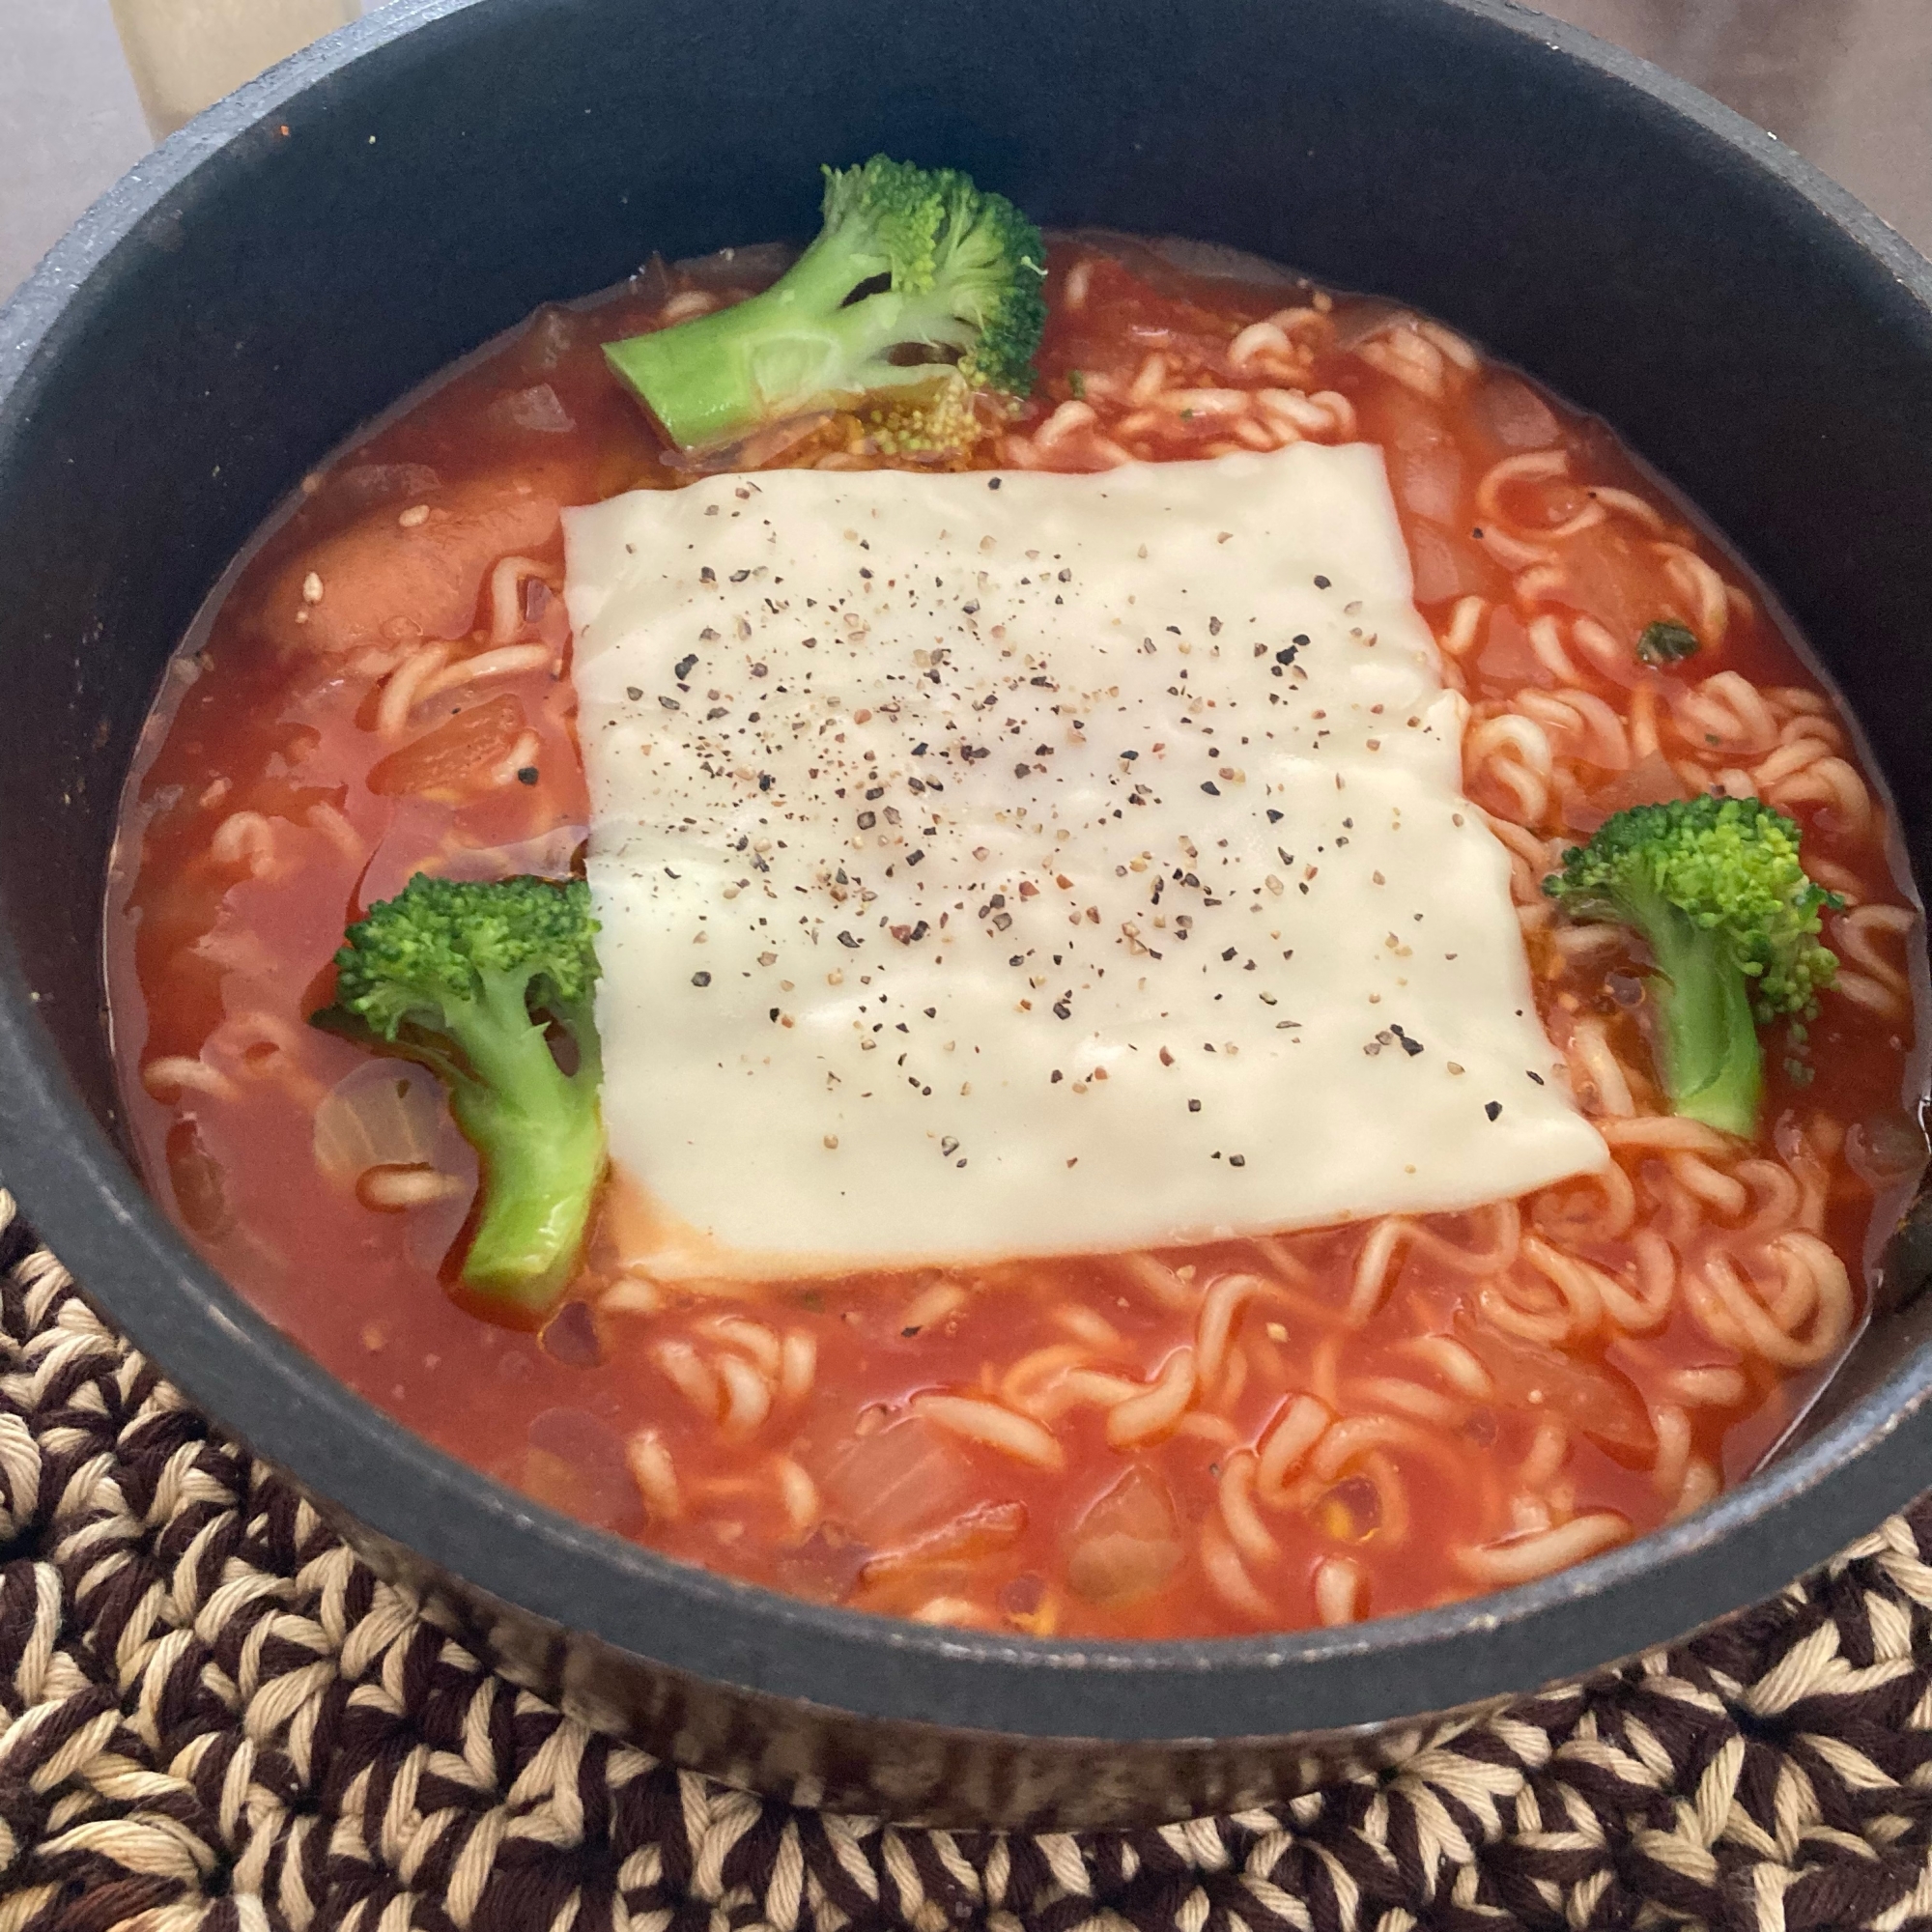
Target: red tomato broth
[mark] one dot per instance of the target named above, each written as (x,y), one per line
(221,931)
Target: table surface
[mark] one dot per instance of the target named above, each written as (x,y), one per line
(1848,83)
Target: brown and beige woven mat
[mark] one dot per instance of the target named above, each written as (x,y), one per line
(213,1716)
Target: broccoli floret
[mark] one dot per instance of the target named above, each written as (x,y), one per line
(1666,641)
(909,259)
(1715,888)
(467,979)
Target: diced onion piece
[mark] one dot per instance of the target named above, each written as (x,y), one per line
(972,1537)
(1594,1399)
(1515,415)
(1127,1544)
(577,1463)
(454,750)
(385,1114)
(199,1181)
(894,1482)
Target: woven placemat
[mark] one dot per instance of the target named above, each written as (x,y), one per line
(213,1716)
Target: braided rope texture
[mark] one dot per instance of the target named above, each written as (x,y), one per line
(213,1717)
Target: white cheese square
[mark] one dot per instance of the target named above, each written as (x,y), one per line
(1030,865)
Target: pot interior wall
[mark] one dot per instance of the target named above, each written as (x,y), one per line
(332,250)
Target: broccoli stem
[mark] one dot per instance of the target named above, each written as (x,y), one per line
(539,1136)
(1712,1064)
(711,380)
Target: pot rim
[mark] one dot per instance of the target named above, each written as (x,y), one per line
(87,1201)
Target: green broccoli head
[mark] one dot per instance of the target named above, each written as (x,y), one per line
(1731,865)
(1717,889)
(888,215)
(415,958)
(471,979)
(919,285)
(991,271)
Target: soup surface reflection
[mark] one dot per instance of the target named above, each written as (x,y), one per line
(1319,1427)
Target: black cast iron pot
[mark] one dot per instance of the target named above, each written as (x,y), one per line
(322,241)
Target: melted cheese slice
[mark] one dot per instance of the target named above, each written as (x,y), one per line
(1012,866)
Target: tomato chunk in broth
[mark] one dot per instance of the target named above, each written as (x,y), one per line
(1332,1425)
